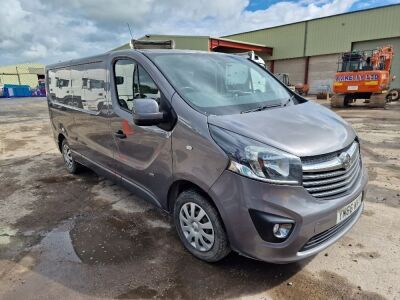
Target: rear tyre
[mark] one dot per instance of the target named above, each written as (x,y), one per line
(71,165)
(200,227)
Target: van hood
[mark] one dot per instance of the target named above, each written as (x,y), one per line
(305,129)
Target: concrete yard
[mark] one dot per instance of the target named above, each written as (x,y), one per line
(83,237)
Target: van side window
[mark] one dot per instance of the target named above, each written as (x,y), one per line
(93,87)
(124,70)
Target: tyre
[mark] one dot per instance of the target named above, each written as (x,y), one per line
(395,94)
(72,166)
(200,227)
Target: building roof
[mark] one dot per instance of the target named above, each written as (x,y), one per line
(26,68)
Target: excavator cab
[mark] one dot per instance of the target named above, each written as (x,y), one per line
(350,62)
(363,74)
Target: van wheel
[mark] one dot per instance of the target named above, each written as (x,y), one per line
(200,227)
(72,166)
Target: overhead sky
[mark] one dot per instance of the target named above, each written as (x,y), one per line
(51,31)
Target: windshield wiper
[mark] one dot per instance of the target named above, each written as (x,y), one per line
(260,108)
(263,107)
(288,100)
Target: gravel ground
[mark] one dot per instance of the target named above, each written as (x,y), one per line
(83,237)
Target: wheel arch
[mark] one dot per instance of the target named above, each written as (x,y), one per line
(182,185)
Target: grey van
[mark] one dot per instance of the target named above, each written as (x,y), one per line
(240,162)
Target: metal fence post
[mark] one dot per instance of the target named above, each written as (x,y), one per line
(19,79)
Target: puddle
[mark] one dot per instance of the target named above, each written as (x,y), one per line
(4,240)
(58,244)
(6,233)
(113,239)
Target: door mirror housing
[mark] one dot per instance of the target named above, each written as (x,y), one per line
(146,112)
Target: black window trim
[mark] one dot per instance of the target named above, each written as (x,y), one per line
(136,73)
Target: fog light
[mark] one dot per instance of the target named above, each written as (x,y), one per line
(281,231)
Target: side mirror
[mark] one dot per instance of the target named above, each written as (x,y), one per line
(146,112)
(119,80)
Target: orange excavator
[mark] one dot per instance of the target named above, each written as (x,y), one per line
(363,74)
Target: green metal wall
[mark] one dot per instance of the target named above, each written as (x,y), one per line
(181,41)
(326,35)
(335,34)
(395,42)
(287,41)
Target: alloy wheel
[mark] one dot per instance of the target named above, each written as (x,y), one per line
(196,226)
(67,156)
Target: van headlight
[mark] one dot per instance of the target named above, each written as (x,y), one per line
(256,160)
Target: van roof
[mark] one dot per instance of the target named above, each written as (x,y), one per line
(101,57)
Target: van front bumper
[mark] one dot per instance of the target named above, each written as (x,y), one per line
(314,219)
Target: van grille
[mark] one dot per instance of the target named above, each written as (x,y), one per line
(334,174)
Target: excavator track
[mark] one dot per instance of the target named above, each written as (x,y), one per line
(337,101)
(378,101)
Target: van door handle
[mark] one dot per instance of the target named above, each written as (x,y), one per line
(120,134)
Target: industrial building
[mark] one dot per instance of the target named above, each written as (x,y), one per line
(22,74)
(309,50)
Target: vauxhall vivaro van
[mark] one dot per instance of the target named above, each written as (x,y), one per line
(241,162)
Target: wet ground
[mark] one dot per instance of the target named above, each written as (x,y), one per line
(83,237)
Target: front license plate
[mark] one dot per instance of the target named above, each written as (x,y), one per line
(352,88)
(348,210)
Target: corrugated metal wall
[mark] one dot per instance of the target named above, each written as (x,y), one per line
(24,74)
(326,35)
(321,72)
(294,67)
(287,41)
(335,34)
(395,42)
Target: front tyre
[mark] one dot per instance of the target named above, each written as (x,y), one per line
(200,227)
(72,166)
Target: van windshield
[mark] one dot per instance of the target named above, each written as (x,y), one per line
(220,84)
